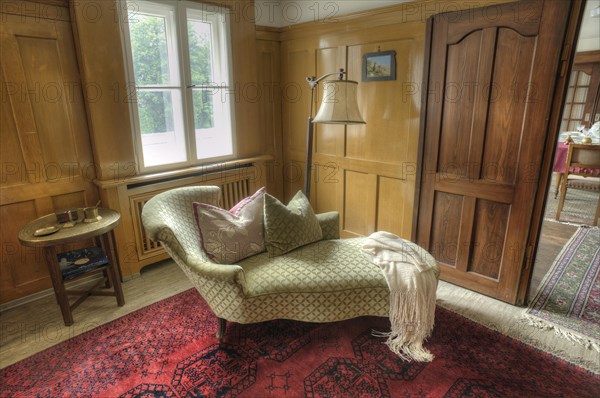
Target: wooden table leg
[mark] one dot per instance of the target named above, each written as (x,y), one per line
(58,284)
(99,242)
(559,177)
(113,266)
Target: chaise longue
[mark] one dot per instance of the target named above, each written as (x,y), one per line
(325,281)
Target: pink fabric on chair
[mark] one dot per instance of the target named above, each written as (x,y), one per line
(560,158)
(560,162)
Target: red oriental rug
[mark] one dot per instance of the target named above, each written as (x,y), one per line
(168,349)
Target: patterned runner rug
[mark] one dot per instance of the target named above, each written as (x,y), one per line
(168,349)
(568,298)
(579,207)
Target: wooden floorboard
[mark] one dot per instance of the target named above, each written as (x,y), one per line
(553,238)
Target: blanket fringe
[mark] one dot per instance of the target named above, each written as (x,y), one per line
(587,342)
(412,317)
(410,273)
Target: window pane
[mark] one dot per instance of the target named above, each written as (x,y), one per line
(201,53)
(204,117)
(563,126)
(580,94)
(149,48)
(212,114)
(573,78)
(570,95)
(161,125)
(577,112)
(567,112)
(583,79)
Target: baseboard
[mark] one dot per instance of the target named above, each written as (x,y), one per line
(48,292)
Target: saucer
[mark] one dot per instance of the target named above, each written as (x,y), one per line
(81,261)
(46,231)
(89,220)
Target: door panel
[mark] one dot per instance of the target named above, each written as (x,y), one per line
(445,230)
(489,94)
(509,99)
(458,117)
(489,227)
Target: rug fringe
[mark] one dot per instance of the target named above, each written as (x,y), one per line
(515,332)
(587,342)
(574,224)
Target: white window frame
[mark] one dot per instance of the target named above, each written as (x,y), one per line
(219,17)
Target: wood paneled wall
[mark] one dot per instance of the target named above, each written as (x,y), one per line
(269,81)
(366,172)
(46,156)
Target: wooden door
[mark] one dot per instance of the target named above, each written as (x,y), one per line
(491,78)
(46,156)
(581,104)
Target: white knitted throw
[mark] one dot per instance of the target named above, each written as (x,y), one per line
(409,271)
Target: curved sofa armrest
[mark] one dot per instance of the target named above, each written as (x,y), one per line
(168,218)
(173,210)
(231,273)
(330,224)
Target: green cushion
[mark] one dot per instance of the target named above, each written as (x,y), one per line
(289,227)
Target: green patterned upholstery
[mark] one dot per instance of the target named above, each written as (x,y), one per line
(330,224)
(289,227)
(325,281)
(324,266)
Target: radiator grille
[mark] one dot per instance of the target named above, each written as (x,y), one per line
(234,191)
(147,245)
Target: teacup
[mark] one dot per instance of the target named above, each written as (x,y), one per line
(91,214)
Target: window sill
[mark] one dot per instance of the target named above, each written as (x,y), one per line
(181,173)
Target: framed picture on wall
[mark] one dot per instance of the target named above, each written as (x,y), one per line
(379,66)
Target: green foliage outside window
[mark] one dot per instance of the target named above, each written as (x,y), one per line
(151,68)
(199,42)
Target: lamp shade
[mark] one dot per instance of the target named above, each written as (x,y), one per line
(339,105)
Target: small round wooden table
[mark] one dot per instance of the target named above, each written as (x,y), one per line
(101,231)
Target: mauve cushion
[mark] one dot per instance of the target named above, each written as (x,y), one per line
(230,236)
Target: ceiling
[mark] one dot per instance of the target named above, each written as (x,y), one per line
(289,12)
(589,35)
(280,13)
